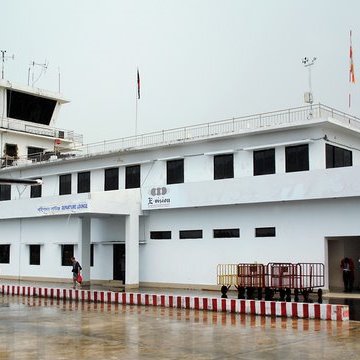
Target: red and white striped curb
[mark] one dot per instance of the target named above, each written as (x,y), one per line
(254,307)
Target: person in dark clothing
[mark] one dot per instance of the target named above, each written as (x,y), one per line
(76,268)
(347,266)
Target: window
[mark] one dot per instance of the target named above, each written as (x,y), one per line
(111,179)
(175,171)
(5,192)
(11,154)
(34,153)
(264,162)
(91,254)
(223,166)
(297,158)
(132,177)
(34,254)
(4,254)
(265,232)
(83,182)
(226,233)
(65,184)
(67,252)
(35,191)
(159,235)
(190,234)
(337,157)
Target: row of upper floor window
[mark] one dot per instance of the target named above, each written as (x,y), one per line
(296,159)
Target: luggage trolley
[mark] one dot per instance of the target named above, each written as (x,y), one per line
(284,278)
(227,275)
(251,277)
(280,277)
(309,276)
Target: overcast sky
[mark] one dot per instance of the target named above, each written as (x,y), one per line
(199,60)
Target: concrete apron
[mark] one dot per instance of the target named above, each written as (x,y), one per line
(251,307)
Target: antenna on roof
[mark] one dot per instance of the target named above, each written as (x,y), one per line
(31,70)
(3,59)
(308,96)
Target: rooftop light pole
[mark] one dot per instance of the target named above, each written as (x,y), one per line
(308,96)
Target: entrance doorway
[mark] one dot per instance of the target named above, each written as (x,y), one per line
(338,248)
(119,262)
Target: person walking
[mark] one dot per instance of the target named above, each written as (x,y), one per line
(347,266)
(76,268)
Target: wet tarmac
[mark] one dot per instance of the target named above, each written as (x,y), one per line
(38,328)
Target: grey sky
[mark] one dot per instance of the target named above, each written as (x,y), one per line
(199,60)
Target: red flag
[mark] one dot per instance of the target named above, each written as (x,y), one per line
(138,83)
(351,72)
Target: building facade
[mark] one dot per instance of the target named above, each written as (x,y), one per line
(163,209)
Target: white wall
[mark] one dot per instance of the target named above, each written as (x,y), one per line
(301,229)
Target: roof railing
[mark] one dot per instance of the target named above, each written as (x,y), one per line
(226,127)
(39,129)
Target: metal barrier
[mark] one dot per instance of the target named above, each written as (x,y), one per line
(283,278)
(227,274)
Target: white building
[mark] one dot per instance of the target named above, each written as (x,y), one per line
(163,209)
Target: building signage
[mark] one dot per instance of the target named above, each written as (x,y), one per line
(62,208)
(158,197)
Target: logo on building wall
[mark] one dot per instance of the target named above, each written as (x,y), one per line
(159,197)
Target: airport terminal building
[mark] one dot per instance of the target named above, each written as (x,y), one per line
(164,208)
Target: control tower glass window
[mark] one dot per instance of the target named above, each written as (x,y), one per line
(30,108)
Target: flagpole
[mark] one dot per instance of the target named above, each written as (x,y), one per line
(351,70)
(136,113)
(137,99)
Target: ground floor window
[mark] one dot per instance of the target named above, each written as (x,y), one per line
(265,232)
(67,252)
(34,254)
(4,254)
(91,254)
(226,233)
(160,235)
(190,234)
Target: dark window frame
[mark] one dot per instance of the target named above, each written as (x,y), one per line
(160,235)
(5,192)
(175,171)
(92,253)
(111,179)
(226,233)
(223,166)
(297,158)
(65,184)
(264,162)
(132,176)
(190,234)
(36,191)
(336,157)
(67,252)
(4,253)
(34,254)
(269,231)
(83,182)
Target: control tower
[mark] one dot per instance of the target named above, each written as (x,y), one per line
(27,125)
